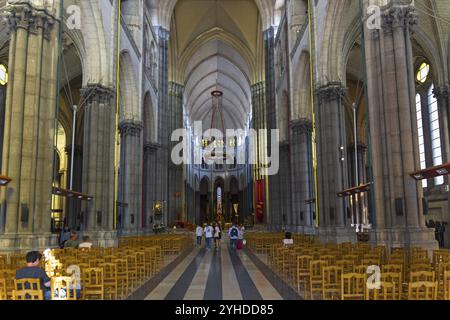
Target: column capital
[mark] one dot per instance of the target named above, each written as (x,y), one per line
(331,91)
(24,15)
(97,93)
(399,14)
(175,89)
(130,128)
(302,125)
(441,92)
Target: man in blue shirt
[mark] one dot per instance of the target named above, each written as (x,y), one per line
(233,234)
(33,271)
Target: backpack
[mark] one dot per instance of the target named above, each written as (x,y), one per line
(234,232)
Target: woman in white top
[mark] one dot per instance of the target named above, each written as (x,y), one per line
(199,234)
(217,236)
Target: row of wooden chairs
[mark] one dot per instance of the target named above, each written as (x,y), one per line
(101,273)
(318,270)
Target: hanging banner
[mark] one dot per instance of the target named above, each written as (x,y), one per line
(260,200)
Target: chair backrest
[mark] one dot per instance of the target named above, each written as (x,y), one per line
(353,286)
(303,262)
(387,291)
(27,289)
(422,290)
(92,276)
(331,275)
(420,276)
(63,288)
(446,285)
(315,268)
(3,295)
(396,268)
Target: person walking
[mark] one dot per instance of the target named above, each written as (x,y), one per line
(233,234)
(208,236)
(240,242)
(199,234)
(217,236)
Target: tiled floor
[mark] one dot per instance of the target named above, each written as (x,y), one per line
(221,275)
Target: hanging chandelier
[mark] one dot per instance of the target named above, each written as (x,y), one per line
(217,147)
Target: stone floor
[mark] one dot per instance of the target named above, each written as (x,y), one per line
(221,274)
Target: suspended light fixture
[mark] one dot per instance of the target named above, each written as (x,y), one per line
(216,152)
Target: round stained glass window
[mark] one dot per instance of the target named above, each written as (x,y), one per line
(3,75)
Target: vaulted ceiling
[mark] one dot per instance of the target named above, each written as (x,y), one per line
(215,46)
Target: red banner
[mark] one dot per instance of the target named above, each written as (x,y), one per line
(260,200)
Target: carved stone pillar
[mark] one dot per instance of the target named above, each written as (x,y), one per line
(175,171)
(130,183)
(97,217)
(29,129)
(302,188)
(331,164)
(149,184)
(393,130)
(163,155)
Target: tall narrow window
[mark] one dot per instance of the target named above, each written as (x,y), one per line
(423,163)
(435,133)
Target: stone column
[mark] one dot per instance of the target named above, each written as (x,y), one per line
(74,205)
(130,183)
(149,184)
(175,172)
(331,164)
(163,155)
(98,164)
(393,130)
(275,219)
(30,127)
(284,187)
(442,96)
(302,175)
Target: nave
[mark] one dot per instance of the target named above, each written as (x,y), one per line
(220,274)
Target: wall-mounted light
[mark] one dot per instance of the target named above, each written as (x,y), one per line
(4,180)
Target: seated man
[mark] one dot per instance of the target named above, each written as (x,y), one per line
(73,242)
(86,244)
(33,271)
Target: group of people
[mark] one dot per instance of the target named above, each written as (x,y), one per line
(214,232)
(69,239)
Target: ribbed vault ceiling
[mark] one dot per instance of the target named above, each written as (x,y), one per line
(220,62)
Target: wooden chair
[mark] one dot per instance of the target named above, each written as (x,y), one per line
(315,276)
(395,278)
(122,277)
(331,282)
(8,275)
(422,290)
(446,285)
(353,286)
(387,291)
(63,288)
(92,279)
(3,295)
(110,281)
(27,289)
(303,272)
